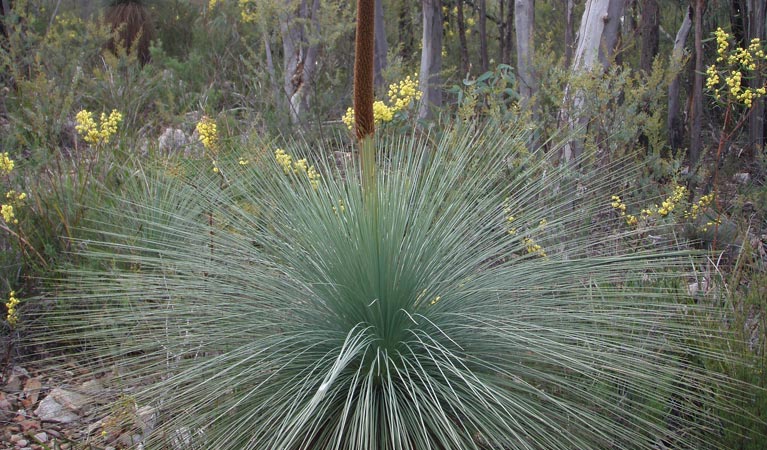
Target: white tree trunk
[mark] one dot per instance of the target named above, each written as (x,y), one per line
(597,38)
(297,28)
(431,58)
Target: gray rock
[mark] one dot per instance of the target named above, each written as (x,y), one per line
(71,400)
(50,410)
(742,178)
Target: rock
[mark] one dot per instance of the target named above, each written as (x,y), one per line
(52,411)
(41,437)
(31,393)
(172,140)
(29,424)
(16,379)
(146,419)
(92,387)
(742,178)
(22,443)
(71,400)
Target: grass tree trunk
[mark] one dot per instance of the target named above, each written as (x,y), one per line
(431,58)
(297,28)
(598,37)
(674,122)
(364,54)
(381,46)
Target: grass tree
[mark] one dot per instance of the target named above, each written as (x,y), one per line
(484,303)
(467,294)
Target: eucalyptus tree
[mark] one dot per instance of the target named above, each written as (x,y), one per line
(300,29)
(597,40)
(431,58)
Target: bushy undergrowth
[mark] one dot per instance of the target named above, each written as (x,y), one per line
(476,302)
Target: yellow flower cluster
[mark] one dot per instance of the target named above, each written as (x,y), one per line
(284,160)
(668,205)
(341,208)
(12,316)
(735,61)
(722,44)
(208,132)
(248,11)
(401,96)
(699,206)
(7,209)
(6,164)
(212,4)
(619,206)
(100,133)
(13,198)
(533,248)
(298,167)
(711,223)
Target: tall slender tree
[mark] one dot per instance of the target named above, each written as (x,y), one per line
(483,56)
(381,45)
(696,111)
(465,64)
(524,21)
(757,29)
(298,26)
(649,29)
(674,122)
(431,58)
(598,37)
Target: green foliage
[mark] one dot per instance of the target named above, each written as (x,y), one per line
(257,310)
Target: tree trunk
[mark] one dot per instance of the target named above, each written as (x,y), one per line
(757,16)
(569,32)
(431,58)
(524,22)
(300,56)
(597,40)
(465,64)
(506,59)
(381,46)
(696,111)
(484,63)
(649,27)
(270,68)
(501,30)
(405,29)
(674,122)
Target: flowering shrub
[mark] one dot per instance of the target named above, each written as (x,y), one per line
(298,168)
(400,98)
(12,315)
(100,133)
(674,202)
(733,66)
